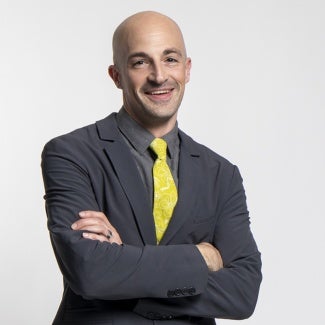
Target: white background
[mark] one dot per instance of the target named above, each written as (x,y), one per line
(256,97)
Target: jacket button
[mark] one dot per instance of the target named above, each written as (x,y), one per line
(191,291)
(170,293)
(150,315)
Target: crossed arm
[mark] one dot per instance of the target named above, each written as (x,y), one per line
(96,226)
(239,277)
(98,267)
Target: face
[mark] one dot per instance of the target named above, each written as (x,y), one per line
(152,70)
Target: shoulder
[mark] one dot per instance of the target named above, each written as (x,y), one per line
(208,155)
(79,139)
(211,164)
(70,145)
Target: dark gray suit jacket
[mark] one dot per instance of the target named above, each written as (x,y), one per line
(140,282)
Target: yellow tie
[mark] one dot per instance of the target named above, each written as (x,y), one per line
(165,191)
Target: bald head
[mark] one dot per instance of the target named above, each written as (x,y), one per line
(146,23)
(151,68)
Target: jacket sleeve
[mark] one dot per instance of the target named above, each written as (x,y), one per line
(98,270)
(232,291)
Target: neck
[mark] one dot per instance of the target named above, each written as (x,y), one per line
(158,128)
(159,132)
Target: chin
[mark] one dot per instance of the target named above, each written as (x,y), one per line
(163,112)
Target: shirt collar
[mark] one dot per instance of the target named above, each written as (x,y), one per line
(172,140)
(140,138)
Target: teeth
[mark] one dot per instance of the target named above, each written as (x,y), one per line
(159,92)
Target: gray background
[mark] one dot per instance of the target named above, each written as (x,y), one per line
(256,96)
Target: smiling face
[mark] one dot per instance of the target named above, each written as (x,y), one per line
(151,68)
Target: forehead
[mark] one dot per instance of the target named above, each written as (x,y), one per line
(153,38)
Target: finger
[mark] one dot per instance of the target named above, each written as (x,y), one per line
(92,214)
(96,229)
(95,215)
(109,234)
(206,244)
(102,238)
(99,218)
(81,223)
(93,225)
(113,236)
(220,260)
(92,236)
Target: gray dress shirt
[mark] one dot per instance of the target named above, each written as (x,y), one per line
(138,139)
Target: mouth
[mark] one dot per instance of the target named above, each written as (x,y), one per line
(159,94)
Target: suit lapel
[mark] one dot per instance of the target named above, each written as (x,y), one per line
(121,158)
(187,188)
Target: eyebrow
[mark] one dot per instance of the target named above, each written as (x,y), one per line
(165,52)
(173,50)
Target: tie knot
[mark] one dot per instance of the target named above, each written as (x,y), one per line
(159,147)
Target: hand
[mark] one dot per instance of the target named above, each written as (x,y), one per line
(211,256)
(97,227)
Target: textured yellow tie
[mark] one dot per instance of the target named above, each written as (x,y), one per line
(165,191)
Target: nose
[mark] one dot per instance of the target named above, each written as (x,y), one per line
(157,74)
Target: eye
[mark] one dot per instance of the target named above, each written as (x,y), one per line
(138,63)
(171,60)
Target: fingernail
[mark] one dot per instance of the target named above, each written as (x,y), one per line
(82,213)
(74,226)
(85,234)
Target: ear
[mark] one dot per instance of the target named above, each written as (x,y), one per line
(115,75)
(188,66)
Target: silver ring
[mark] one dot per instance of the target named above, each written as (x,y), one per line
(109,234)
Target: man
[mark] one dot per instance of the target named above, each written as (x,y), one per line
(126,256)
